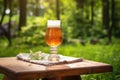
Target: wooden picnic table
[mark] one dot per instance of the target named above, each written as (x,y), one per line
(15,69)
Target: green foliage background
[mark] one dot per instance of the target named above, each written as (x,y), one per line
(75,25)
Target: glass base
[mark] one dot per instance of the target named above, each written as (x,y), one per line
(53,57)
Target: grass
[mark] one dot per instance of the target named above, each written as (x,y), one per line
(100,52)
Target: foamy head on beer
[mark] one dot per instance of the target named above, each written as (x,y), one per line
(53,23)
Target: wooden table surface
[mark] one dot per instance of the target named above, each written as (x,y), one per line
(17,69)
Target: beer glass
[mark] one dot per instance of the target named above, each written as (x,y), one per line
(53,38)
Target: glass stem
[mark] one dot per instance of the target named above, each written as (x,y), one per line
(53,54)
(53,50)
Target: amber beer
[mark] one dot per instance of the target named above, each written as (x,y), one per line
(53,36)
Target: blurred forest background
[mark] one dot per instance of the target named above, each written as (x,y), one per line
(91,29)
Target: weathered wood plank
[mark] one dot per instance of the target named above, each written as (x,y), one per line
(16,69)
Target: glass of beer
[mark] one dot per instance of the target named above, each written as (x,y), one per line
(53,38)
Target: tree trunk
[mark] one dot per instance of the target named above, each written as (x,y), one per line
(3,14)
(37,8)
(22,17)
(80,3)
(7,32)
(106,19)
(58,9)
(9,23)
(112,20)
(106,14)
(92,12)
